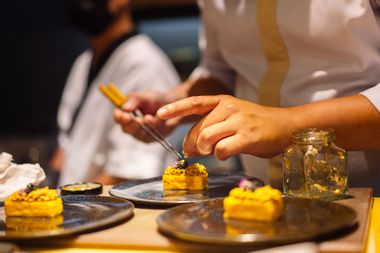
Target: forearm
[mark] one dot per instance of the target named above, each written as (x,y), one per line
(198,87)
(106,179)
(355,120)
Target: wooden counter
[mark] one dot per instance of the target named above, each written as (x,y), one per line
(140,233)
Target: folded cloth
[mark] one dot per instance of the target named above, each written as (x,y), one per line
(14,177)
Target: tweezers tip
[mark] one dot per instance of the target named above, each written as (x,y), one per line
(182,164)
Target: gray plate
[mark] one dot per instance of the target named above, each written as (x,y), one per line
(303,219)
(150,191)
(81,213)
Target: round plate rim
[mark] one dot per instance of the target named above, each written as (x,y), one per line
(149,201)
(66,232)
(113,191)
(206,238)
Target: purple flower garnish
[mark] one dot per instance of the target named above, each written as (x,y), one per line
(246,184)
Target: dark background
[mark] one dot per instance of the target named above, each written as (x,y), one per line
(37,48)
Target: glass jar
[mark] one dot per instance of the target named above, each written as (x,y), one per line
(314,167)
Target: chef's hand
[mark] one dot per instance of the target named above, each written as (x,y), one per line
(231,126)
(148,103)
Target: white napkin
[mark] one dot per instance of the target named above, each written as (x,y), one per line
(14,177)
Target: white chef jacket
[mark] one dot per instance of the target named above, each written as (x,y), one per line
(96,143)
(293,52)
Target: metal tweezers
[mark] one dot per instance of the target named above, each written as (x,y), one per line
(118,99)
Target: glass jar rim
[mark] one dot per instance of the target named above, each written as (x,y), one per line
(313,136)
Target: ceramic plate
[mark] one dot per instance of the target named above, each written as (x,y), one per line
(81,213)
(303,219)
(150,191)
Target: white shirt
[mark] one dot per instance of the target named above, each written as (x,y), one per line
(325,49)
(96,143)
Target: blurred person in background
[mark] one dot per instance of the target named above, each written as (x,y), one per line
(91,146)
(286,65)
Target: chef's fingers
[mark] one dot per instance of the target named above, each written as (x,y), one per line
(121,117)
(142,135)
(189,144)
(153,121)
(133,102)
(126,118)
(198,105)
(211,135)
(200,140)
(229,146)
(130,124)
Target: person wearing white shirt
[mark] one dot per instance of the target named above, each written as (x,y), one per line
(286,65)
(91,146)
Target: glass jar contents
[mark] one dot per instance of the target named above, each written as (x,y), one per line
(314,167)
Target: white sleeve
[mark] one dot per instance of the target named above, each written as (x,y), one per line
(212,63)
(71,95)
(127,157)
(373,95)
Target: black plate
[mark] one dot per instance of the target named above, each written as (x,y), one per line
(303,219)
(80,213)
(150,191)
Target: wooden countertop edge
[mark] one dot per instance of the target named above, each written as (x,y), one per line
(335,246)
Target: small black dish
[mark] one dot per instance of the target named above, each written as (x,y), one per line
(82,188)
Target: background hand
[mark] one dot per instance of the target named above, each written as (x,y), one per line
(148,103)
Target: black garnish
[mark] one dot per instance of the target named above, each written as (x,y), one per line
(30,188)
(182,164)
